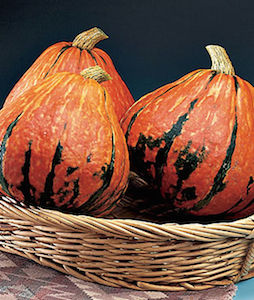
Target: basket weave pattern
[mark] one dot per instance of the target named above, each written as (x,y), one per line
(130,253)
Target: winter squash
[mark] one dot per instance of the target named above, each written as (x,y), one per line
(62,146)
(74,57)
(192,140)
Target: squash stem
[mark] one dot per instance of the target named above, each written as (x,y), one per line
(88,39)
(220,60)
(96,73)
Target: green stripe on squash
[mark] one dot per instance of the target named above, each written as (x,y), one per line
(135,115)
(218,183)
(25,186)
(106,176)
(45,199)
(57,58)
(3,182)
(137,153)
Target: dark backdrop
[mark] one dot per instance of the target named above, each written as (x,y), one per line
(151,42)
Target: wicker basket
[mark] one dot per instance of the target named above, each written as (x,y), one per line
(131,253)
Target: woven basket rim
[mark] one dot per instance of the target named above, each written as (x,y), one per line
(190,231)
(127,220)
(126,228)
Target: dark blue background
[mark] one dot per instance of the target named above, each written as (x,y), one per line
(151,42)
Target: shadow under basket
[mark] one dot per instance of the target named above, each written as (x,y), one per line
(129,248)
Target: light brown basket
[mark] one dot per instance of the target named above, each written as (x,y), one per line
(131,253)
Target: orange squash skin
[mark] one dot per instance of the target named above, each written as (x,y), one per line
(62,147)
(192,140)
(63,56)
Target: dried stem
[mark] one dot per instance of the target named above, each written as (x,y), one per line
(220,60)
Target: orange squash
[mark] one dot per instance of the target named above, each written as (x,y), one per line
(62,146)
(74,57)
(192,140)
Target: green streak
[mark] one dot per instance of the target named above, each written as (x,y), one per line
(57,58)
(218,183)
(133,119)
(186,163)
(45,197)
(135,115)
(250,183)
(137,153)
(3,181)
(169,137)
(25,187)
(71,170)
(93,57)
(106,176)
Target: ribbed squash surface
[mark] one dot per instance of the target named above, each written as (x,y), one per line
(66,56)
(62,146)
(192,140)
